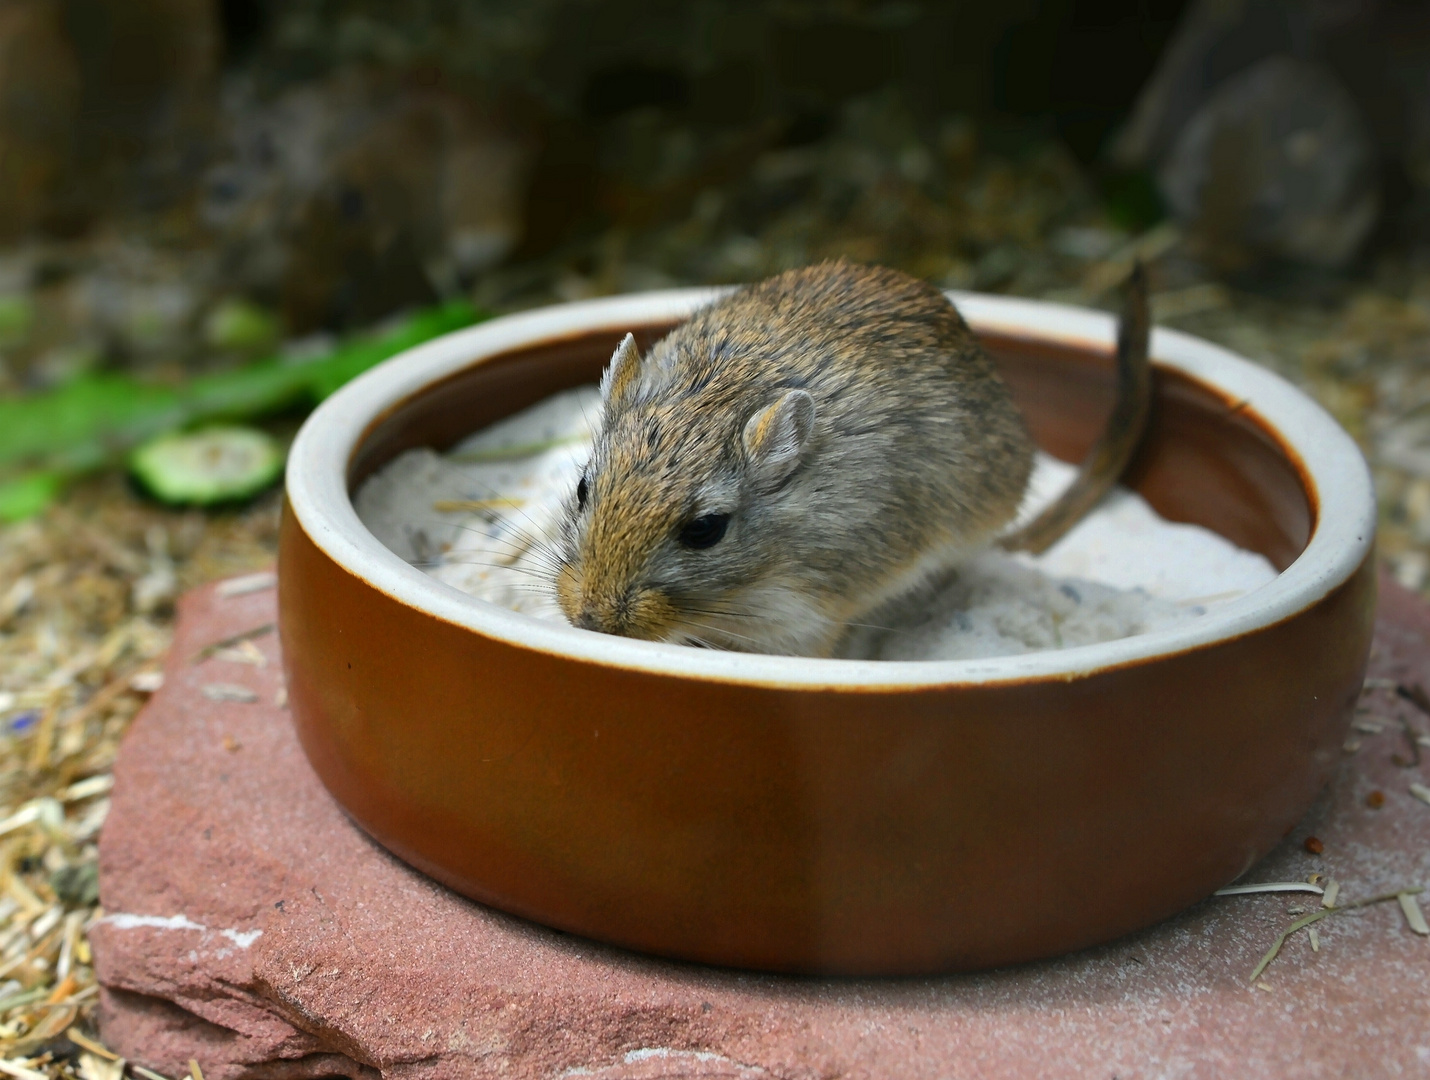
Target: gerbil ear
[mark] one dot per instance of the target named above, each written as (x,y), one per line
(775,437)
(621,373)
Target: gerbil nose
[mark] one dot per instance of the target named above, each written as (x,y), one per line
(607,615)
(601,616)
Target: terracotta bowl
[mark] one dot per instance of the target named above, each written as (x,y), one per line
(834,816)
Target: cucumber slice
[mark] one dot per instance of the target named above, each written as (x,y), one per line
(212,465)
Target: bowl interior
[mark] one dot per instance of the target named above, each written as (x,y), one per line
(1206,459)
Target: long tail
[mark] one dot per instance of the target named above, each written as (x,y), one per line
(1109,456)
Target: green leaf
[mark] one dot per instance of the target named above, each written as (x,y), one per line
(93,411)
(255,390)
(352,360)
(96,420)
(28,494)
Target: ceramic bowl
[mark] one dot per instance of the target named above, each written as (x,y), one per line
(834,816)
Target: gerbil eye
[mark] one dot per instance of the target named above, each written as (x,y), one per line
(581,493)
(704,531)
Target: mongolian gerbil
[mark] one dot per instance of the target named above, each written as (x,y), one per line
(797,455)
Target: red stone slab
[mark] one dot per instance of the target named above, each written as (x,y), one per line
(254,928)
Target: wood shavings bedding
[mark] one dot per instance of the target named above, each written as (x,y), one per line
(479,518)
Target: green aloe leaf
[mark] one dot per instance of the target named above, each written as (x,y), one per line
(94,421)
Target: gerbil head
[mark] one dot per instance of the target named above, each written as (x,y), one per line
(669,533)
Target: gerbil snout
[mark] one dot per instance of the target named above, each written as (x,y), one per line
(630,612)
(627,562)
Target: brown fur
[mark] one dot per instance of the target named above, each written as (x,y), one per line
(916,455)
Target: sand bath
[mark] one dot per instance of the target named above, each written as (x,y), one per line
(477,517)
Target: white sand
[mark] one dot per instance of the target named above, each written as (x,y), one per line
(477,519)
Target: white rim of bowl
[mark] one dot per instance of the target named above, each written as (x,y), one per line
(1344,528)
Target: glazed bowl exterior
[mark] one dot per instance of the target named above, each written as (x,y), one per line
(851,817)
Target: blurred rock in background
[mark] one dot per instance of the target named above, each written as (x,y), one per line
(39,109)
(1276,164)
(1281,129)
(343,199)
(105,106)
